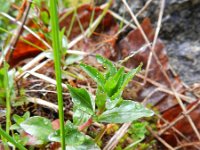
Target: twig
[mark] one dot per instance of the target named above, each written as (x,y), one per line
(162,5)
(26,28)
(160,139)
(174,129)
(43,103)
(45,78)
(187,145)
(144,7)
(178,119)
(118,135)
(19,30)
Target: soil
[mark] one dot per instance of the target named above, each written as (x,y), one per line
(180,32)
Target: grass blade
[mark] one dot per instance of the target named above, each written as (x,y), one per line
(11,140)
(57,58)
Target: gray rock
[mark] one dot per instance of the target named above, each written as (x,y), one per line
(180,32)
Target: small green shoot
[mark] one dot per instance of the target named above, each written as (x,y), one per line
(110,85)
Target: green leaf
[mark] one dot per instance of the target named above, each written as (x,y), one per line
(38,127)
(79,116)
(101,97)
(82,99)
(19,139)
(26,115)
(138,130)
(88,144)
(128,77)
(44,17)
(72,136)
(108,64)
(9,87)
(18,119)
(5,6)
(111,83)
(73,58)
(74,139)
(110,104)
(125,80)
(14,127)
(95,74)
(128,111)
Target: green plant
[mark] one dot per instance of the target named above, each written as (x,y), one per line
(111,108)
(108,106)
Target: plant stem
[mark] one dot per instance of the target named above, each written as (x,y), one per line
(11,140)
(85,125)
(100,135)
(57,58)
(7,90)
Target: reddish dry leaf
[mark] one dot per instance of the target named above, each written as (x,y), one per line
(84,15)
(102,40)
(183,125)
(54,146)
(24,50)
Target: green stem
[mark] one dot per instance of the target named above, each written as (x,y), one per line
(129,147)
(100,134)
(57,59)
(11,140)
(7,90)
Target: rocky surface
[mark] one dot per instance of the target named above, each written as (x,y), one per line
(180,32)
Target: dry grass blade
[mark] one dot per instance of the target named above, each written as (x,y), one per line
(160,139)
(45,78)
(196,144)
(187,116)
(162,5)
(16,36)
(143,8)
(43,103)
(118,135)
(178,119)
